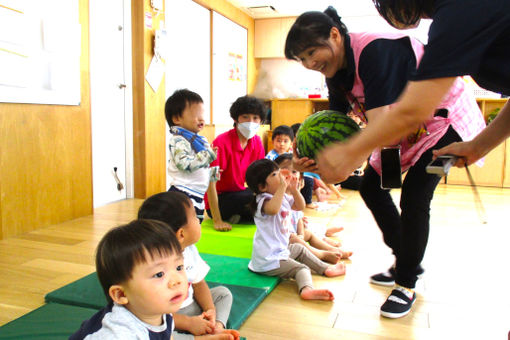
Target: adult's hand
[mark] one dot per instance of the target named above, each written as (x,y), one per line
(303,164)
(337,161)
(466,152)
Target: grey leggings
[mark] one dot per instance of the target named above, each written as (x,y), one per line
(222,298)
(298,266)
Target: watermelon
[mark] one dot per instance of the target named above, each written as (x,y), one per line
(323,128)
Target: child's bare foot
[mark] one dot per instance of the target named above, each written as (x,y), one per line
(321,194)
(335,270)
(332,242)
(333,230)
(309,293)
(312,205)
(345,254)
(329,256)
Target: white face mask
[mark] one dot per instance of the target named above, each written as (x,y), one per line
(248,129)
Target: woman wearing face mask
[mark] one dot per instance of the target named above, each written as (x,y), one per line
(366,72)
(236,150)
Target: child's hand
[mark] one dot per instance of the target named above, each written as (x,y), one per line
(210,315)
(200,325)
(305,221)
(284,182)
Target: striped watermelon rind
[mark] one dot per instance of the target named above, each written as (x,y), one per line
(323,128)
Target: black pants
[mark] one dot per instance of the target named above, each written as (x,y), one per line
(307,190)
(235,203)
(406,233)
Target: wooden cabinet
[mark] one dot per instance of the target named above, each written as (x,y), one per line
(291,111)
(270,35)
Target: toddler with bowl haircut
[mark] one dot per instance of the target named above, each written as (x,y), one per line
(282,138)
(140,267)
(204,312)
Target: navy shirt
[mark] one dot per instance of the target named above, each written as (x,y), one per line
(385,66)
(469,37)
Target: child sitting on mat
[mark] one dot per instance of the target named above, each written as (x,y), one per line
(272,255)
(140,267)
(327,251)
(204,312)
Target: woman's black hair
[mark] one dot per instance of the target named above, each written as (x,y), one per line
(248,104)
(168,207)
(405,12)
(256,175)
(312,29)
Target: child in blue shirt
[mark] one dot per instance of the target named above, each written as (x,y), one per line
(282,138)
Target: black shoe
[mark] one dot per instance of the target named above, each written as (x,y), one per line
(388,278)
(398,304)
(384,279)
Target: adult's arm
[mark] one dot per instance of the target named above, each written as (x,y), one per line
(214,207)
(415,106)
(469,152)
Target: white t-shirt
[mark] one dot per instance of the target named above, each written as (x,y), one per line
(271,239)
(196,270)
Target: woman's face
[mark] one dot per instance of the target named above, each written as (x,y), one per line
(325,59)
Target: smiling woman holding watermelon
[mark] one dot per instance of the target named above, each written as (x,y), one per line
(365,73)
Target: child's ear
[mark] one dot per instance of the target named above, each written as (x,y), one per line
(117,294)
(180,234)
(262,187)
(176,120)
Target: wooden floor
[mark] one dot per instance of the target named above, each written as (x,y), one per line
(465,293)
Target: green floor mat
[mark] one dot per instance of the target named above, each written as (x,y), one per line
(234,271)
(237,242)
(246,299)
(85,292)
(52,321)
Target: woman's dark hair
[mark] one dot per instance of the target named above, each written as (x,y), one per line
(123,247)
(284,130)
(177,102)
(168,207)
(405,12)
(248,104)
(312,29)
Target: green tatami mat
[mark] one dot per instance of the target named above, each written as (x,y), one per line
(85,292)
(246,299)
(237,242)
(52,321)
(234,271)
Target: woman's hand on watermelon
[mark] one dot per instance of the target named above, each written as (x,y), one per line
(303,164)
(337,161)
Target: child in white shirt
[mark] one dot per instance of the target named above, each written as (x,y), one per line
(204,312)
(272,255)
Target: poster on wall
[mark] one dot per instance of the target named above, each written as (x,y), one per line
(40,52)
(230,50)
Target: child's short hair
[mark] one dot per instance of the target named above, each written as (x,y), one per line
(284,130)
(168,207)
(257,173)
(177,102)
(123,247)
(248,104)
(295,128)
(283,158)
